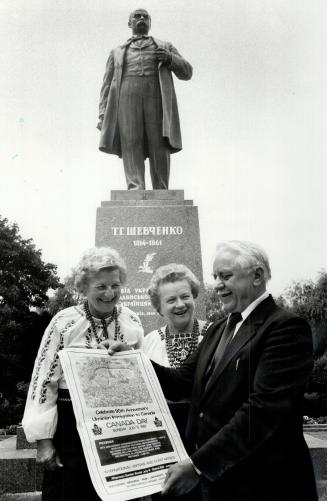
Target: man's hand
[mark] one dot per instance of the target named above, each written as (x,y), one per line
(163,55)
(180,479)
(114,346)
(47,454)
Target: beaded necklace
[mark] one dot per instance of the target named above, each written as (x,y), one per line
(105,325)
(180,346)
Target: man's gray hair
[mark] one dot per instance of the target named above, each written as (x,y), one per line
(248,254)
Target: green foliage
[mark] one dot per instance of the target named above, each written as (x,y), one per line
(319,373)
(65,296)
(308,299)
(214,310)
(24,282)
(13,412)
(315,403)
(24,277)
(281,302)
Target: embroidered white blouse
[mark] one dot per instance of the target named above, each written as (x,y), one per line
(69,328)
(155,347)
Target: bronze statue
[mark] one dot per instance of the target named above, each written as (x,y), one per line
(138,114)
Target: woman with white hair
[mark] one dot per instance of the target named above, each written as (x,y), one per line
(49,419)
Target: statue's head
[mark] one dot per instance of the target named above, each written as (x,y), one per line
(139,22)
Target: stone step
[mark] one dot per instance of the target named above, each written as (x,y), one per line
(22,496)
(314,427)
(21,477)
(18,469)
(21,442)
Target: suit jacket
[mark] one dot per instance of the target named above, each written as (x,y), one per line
(109,97)
(246,423)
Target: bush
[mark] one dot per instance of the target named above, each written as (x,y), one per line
(214,310)
(315,398)
(25,281)
(11,430)
(11,414)
(319,373)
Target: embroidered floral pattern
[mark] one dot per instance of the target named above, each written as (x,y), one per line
(135,319)
(67,328)
(88,338)
(42,358)
(54,363)
(180,346)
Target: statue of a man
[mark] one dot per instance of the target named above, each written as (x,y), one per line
(138,115)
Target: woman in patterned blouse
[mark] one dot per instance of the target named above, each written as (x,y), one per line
(173,290)
(49,419)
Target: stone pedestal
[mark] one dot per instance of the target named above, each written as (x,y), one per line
(19,472)
(21,442)
(150,228)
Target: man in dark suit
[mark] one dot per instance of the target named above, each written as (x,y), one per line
(138,113)
(246,383)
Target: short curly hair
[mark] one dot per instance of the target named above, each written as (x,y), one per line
(94,260)
(171,273)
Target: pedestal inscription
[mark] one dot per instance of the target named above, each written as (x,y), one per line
(150,229)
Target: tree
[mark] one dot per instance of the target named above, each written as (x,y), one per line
(66,295)
(214,310)
(308,299)
(24,282)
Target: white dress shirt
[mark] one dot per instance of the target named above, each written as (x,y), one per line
(249,310)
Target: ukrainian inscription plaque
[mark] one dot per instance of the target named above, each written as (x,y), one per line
(150,229)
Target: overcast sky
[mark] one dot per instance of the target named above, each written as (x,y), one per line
(253,121)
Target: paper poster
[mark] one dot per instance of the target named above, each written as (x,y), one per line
(128,435)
